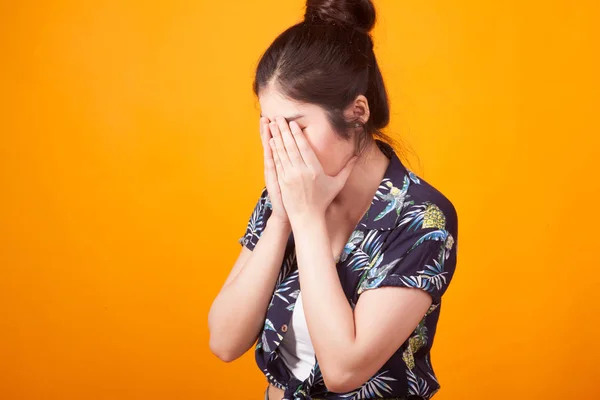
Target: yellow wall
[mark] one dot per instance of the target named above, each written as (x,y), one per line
(130,161)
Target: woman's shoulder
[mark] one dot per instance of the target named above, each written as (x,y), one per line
(422,194)
(410,195)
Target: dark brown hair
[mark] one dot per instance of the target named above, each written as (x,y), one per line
(328,60)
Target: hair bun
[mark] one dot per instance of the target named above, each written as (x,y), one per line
(356,13)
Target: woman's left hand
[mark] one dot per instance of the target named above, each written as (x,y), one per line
(305,188)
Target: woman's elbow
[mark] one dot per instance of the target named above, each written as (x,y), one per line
(223,352)
(340,380)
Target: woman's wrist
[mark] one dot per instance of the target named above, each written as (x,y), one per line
(307,220)
(280,225)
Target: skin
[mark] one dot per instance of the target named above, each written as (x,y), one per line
(319,191)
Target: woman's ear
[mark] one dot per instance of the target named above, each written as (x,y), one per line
(358,111)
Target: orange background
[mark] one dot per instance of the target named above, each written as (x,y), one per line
(130,161)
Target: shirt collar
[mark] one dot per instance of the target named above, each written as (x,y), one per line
(389,198)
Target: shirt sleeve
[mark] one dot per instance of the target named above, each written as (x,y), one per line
(256,222)
(423,259)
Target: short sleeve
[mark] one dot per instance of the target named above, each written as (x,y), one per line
(423,259)
(256,222)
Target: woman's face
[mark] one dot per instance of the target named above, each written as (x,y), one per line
(332,151)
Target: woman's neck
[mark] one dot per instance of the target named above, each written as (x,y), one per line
(356,195)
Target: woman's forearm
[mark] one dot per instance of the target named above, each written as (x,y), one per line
(238,312)
(328,314)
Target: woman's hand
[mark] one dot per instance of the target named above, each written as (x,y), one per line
(271,183)
(305,188)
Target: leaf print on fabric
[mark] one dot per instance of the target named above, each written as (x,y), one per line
(289,264)
(375,274)
(293,295)
(413,177)
(257,221)
(412,259)
(264,342)
(285,281)
(375,387)
(433,276)
(440,235)
(268,204)
(395,197)
(285,287)
(433,379)
(416,385)
(366,253)
(355,238)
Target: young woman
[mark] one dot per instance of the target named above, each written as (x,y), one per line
(347,253)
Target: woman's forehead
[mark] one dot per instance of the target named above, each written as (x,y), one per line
(272,106)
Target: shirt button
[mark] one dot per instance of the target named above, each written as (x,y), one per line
(284,328)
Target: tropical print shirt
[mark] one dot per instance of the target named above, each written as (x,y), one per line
(408,237)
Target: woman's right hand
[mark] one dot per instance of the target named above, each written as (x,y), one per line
(271,182)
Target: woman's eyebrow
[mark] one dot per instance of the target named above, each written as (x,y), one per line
(290,119)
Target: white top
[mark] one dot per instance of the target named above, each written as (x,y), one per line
(296,348)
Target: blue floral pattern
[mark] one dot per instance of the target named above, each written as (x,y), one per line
(407,238)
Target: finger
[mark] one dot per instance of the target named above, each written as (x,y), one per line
(289,142)
(282,154)
(306,151)
(277,160)
(270,172)
(265,135)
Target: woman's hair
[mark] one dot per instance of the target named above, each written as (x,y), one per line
(328,60)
